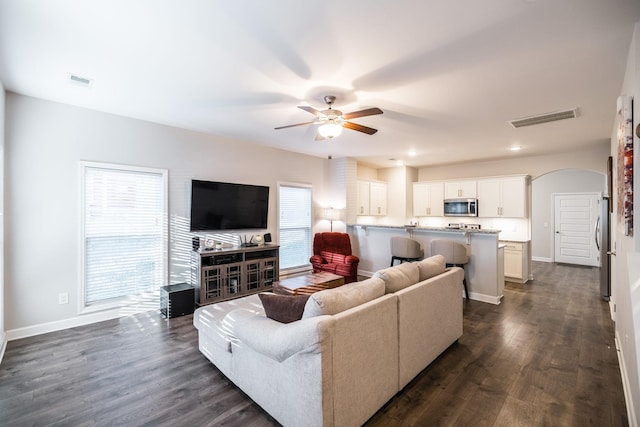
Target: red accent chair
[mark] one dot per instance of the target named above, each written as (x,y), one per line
(332,253)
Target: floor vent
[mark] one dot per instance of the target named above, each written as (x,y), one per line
(545,118)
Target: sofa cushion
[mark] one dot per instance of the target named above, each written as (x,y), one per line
(430,267)
(399,276)
(336,300)
(283,308)
(213,320)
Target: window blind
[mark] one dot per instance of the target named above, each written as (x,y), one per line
(294,226)
(123,233)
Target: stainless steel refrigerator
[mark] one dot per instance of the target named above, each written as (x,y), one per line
(603,243)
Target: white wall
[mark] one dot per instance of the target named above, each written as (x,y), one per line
(589,158)
(339,180)
(45,142)
(3,336)
(397,194)
(542,189)
(626,289)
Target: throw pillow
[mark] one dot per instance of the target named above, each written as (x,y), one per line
(399,276)
(283,308)
(431,266)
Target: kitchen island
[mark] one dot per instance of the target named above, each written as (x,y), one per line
(484,272)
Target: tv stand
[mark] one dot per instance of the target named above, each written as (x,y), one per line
(222,274)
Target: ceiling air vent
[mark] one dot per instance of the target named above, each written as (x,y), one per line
(545,118)
(79,80)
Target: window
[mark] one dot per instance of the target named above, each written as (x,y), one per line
(294,225)
(123,233)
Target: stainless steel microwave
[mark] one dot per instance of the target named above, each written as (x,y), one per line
(461,207)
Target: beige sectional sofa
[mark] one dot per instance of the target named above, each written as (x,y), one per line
(355,347)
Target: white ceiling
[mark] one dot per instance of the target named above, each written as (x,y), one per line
(447,74)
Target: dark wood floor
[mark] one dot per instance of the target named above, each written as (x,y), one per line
(545,356)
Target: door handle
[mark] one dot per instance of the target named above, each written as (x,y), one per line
(611,253)
(595,233)
(557,232)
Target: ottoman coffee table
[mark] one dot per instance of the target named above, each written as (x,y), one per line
(309,283)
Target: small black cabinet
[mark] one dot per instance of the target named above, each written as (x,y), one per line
(177,300)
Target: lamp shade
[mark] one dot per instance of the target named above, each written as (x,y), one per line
(330,130)
(331,214)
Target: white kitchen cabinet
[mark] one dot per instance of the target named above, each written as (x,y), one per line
(428,199)
(363,197)
(516,261)
(372,198)
(378,199)
(460,189)
(502,197)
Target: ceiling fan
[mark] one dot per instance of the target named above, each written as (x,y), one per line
(332,121)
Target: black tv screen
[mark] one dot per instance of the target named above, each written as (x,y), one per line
(227,206)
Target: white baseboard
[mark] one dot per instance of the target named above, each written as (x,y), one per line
(3,344)
(631,411)
(541,259)
(612,309)
(72,322)
(365,273)
(485,298)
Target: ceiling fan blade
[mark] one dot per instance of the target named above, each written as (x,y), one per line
(362,113)
(360,128)
(297,124)
(309,109)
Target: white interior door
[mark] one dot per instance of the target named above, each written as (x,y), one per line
(575,221)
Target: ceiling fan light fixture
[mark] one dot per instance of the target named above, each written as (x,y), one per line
(332,121)
(330,130)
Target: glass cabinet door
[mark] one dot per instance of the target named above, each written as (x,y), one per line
(253,275)
(212,282)
(269,272)
(233,279)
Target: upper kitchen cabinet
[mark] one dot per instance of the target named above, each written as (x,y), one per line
(502,197)
(372,198)
(364,199)
(428,199)
(460,189)
(378,199)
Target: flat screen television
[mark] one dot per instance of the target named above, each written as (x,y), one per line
(228,206)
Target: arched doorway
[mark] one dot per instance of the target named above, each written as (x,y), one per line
(543,189)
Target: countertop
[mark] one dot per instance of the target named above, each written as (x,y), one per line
(423,228)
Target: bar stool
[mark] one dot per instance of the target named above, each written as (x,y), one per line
(405,249)
(455,255)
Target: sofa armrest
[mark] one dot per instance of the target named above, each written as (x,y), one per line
(351,259)
(317,259)
(279,341)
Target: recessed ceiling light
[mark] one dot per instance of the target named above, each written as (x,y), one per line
(516,148)
(411,153)
(399,163)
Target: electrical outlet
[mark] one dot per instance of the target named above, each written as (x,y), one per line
(63,298)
